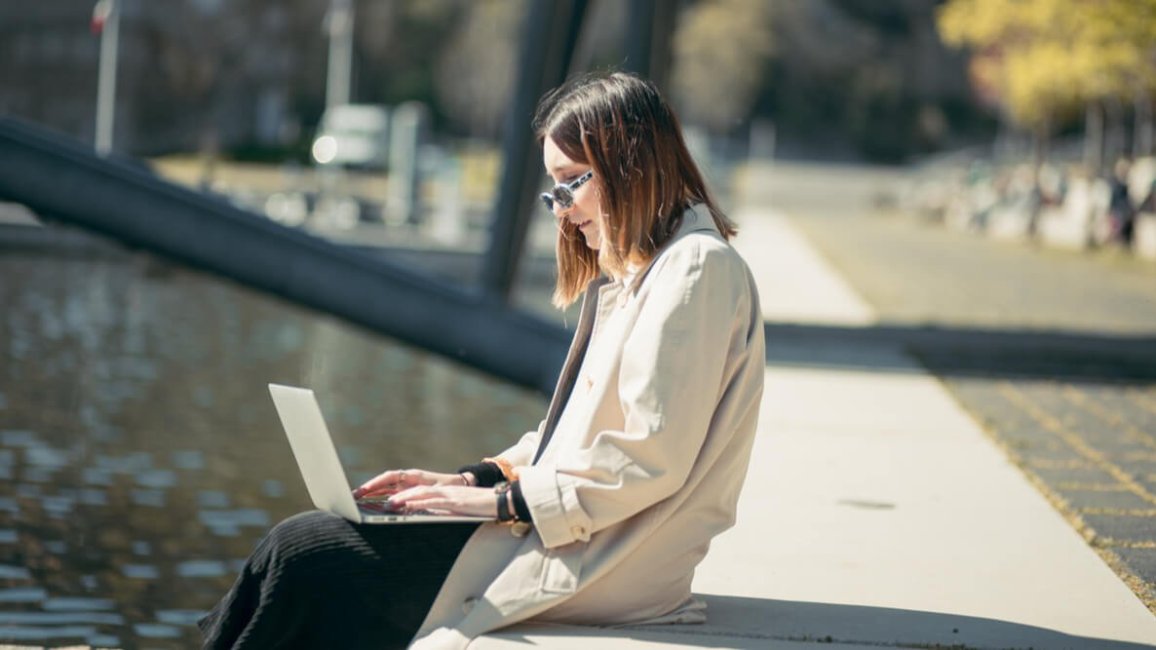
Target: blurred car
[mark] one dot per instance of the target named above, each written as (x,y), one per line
(354,136)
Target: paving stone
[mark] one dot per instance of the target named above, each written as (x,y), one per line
(1122,528)
(1102,499)
(1141,561)
(1082,475)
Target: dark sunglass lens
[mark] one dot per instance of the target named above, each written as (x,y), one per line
(564,196)
(548,199)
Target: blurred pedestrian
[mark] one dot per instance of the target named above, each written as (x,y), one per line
(1121,212)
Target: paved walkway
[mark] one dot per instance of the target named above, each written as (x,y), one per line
(877,512)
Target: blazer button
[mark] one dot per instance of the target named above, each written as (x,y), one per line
(468,605)
(578,531)
(520,529)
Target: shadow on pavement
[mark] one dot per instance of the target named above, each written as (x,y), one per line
(967,352)
(737,622)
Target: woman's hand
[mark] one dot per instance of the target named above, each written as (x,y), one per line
(448,500)
(393,481)
(418,489)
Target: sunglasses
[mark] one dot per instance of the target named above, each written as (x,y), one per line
(563,193)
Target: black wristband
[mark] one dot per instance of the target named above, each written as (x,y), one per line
(521,510)
(485,474)
(503,492)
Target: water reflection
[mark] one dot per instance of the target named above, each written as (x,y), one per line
(141,456)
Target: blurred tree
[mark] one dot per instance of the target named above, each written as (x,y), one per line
(721,49)
(474,79)
(1042,61)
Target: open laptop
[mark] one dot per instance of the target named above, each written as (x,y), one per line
(321,468)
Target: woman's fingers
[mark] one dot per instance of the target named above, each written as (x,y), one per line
(448,499)
(389,482)
(395,480)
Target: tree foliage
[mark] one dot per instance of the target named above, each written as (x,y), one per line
(721,48)
(1043,60)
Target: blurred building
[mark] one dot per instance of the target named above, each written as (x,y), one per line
(190,74)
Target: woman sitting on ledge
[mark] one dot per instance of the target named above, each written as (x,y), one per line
(602,513)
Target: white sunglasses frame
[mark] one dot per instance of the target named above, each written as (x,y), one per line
(563,193)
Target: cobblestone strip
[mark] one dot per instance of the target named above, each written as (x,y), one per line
(1084,517)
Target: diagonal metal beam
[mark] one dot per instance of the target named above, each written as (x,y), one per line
(650,25)
(551,35)
(63,179)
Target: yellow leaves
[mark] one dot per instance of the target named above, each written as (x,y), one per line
(1042,59)
(720,51)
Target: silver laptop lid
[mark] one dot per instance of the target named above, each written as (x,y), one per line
(313,448)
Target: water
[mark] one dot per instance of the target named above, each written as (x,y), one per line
(141,457)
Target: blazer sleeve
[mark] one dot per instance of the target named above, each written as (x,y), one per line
(522,452)
(669,384)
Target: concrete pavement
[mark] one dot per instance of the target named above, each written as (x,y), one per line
(876,512)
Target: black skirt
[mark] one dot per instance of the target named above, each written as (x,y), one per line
(319,581)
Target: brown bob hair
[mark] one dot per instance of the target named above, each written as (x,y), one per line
(621,126)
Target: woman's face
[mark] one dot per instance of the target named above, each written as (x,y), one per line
(586,213)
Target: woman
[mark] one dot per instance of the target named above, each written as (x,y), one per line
(604,511)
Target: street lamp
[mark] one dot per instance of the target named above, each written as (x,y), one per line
(339,24)
(106,22)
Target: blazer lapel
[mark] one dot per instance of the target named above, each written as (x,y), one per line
(573,363)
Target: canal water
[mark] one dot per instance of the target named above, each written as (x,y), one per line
(140,454)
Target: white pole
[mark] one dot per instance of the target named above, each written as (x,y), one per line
(337,90)
(106,84)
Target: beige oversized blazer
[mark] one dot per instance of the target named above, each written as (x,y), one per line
(646,460)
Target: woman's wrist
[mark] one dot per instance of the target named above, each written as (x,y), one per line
(484,474)
(468,479)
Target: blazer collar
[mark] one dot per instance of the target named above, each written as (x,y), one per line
(696,218)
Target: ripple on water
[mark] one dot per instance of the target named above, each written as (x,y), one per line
(103,641)
(273,488)
(91,497)
(22,633)
(156,631)
(22,595)
(213,499)
(153,498)
(140,571)
(9,572)
(190,460)
(8,536)
(131,463)
(186,617)
(202,569)
(47,457)
(19,438)
(157,478)
(78,604)
(38,474)
(57,506)
(96,476)
(238,517)
(60,618)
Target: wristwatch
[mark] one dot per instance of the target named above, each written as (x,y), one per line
(502,490)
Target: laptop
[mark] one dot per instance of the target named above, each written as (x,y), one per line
(321,468)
